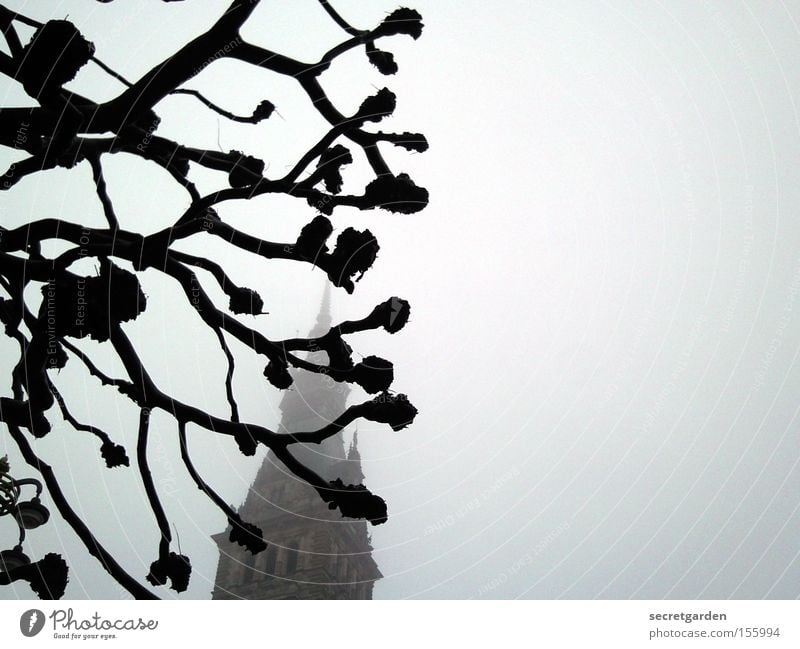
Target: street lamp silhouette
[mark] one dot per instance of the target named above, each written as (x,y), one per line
(28,514)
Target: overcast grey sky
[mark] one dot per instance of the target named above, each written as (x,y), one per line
(604,289)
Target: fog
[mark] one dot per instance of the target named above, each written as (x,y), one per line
(603,338)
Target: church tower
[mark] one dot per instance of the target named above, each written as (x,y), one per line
(312,552)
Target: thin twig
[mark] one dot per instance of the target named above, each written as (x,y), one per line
(337,18)
(102,192)
(110,71)
(251,119)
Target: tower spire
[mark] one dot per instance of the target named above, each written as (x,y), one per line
(324,317)
(313,552)
(352,453)
(355,474)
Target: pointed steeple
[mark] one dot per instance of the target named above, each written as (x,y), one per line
(313,552)
(324,318)
(315,400)
(354,472)
(352,452)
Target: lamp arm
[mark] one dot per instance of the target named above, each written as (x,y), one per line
(29,481)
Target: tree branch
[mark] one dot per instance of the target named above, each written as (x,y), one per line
(149,486)
(78,526)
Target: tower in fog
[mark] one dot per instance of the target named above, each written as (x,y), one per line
(312,552)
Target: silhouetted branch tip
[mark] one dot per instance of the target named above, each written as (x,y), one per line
(410,141)
(356,501)
(247,170)
(173,567)
(247,535)
(396,194)
(394,314)
(393,409)
(89,306)
(313,236)
(48,577)
(246,442)
(53,57)
(330,163)
(278,375)
(383,61)
(354,254)
(375,107)
(263,111)
(401,21)
(114,454)
(244,301)
(373,374)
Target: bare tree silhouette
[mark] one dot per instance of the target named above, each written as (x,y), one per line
(66,129)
